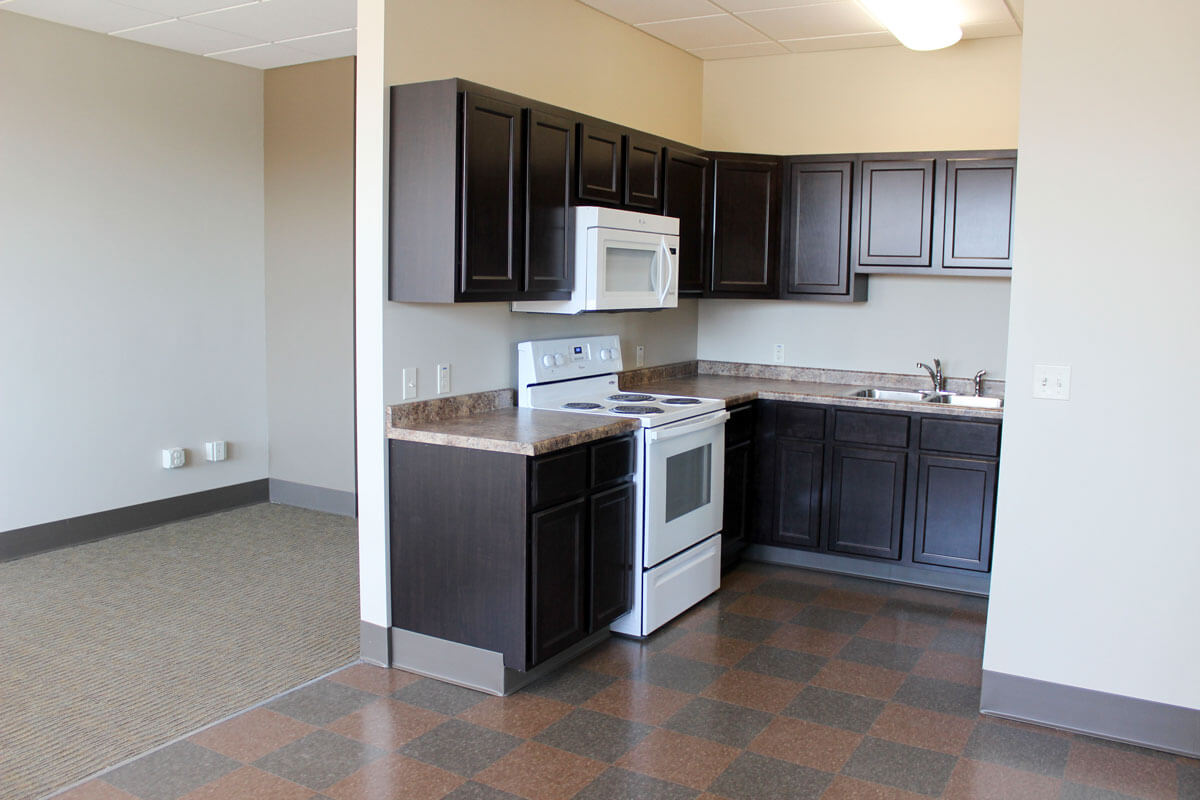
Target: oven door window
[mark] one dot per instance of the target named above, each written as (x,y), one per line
(688,481)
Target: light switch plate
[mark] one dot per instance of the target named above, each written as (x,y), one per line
(1051,382)
(408,379)
(778,354)
(443,378)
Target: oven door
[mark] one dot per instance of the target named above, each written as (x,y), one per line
(633,269)
(684,482)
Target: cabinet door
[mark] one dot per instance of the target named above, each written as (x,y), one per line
(557,559)
(643,172)
(800,472)
(489,263)
(745,249)
(735,522)
(816,257)
(979,213)
(685,186)
(599,158)
(611,515)
(867,501)
(549,160)
(955,512)
(896,213)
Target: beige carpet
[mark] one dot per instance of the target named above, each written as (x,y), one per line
(112,648)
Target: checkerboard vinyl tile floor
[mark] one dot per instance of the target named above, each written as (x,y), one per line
(786,684)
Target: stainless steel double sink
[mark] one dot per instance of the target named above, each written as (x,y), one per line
(916,396)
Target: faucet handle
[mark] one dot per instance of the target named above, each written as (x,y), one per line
(979,382)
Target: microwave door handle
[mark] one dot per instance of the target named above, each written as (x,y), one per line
(663,434)
(664,271)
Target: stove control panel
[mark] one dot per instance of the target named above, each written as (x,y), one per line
(546,360)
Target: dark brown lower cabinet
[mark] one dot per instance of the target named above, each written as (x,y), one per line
(955,508)
(800,471)
(611,557)
(739,496)
(557,577)
(867,505)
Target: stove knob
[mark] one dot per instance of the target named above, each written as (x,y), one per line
(547,361)
(559,359)
(605,355)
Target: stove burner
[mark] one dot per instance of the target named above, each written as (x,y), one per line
(679,401)
(635,410)
(587,406)
(631,398)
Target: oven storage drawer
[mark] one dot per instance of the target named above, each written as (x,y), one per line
(679,583)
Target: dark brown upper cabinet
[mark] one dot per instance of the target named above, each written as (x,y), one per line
(599,164)
(979,213)
(643,172)
(816,230)
(549,160)
(895,218)
(686,176)
(744,246)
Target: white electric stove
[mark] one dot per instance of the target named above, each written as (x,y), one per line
(680,469)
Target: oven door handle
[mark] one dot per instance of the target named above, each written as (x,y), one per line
(663,434)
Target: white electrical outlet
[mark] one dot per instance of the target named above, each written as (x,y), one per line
(443,378)
(408,379)
(174,457)
(779,354)
(640,356)
(214,451)
(1051,382)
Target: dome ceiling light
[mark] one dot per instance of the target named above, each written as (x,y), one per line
(918,24)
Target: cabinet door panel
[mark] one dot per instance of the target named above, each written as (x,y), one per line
(896,213)
(611,515)
(817,259)
(979,213)
(745,228)
(684,190)
(800,471)
(955,511)
(643,172)
(491,153)
(599,163)
(735,520)
(867,501)
(548,264)
(557,559)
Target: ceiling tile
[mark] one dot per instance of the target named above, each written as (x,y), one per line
(95,15)
(267,56)
(282,19)
(739,51)
(738,6)
(1017,7)
(180,8)
(691,34)
(636,12)
(988,29)
(974,12)
(328,45)
(188,37)
(825,19)
(848,42)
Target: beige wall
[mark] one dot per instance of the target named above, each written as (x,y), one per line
(308,143)
(875,99)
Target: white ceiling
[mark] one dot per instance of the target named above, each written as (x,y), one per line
(255,33)
(713,29)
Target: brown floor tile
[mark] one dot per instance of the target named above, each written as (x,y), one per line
(696,617)
(929,597)
(811,577)
(739,580)
(524,715)
(772,608)
(639,702)
(861,679)
(967,620)
(921,728)
(373,679)
(680,758)
(808,640)
(250,782)
(1029,726)
(949,667)
(250,736)
(395,777)
(711,649)
(619,658)
(850,601)
(806,743)
(753,690)
(387,723)
(97,790)
(898,631)
(539,772)
(979,780)
(1130,773)
(844,788)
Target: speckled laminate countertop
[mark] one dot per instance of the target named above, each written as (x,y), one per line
(523,431)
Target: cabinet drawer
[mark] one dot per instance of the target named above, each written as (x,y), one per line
(955,436)
(800,422)
(612,460)
(558,476)
(889,430)
(740,426)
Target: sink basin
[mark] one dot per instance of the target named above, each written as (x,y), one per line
(968,400)
(890,394)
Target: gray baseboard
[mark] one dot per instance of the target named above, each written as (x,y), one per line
(90,527)
(977,583)
(373,643)
(314,498)
(1146,723)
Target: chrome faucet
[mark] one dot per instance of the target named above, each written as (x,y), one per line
(935,374)
(979,382)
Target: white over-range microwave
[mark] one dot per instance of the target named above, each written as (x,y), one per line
(624,260)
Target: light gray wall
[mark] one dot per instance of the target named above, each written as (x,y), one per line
(131,271)
(309,152)
(1094,581)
